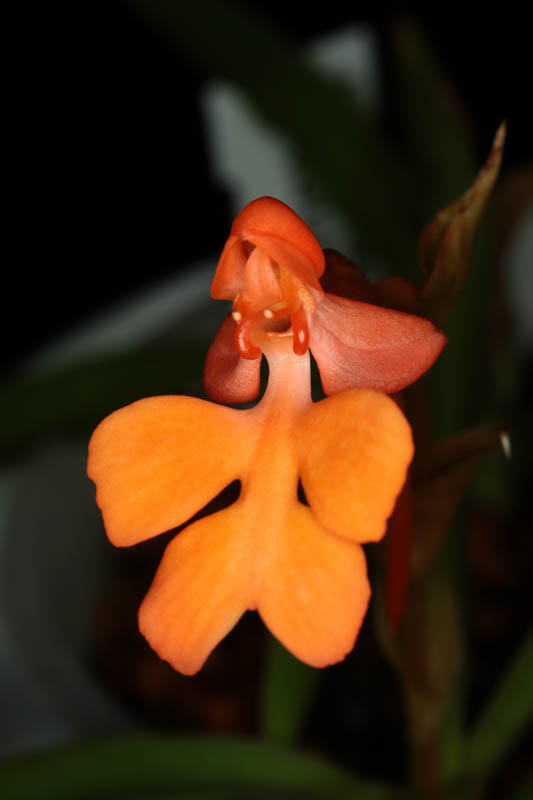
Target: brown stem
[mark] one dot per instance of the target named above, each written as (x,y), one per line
(425,766)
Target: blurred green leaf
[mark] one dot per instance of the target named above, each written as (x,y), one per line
(459,379)
(506,715)
(288,692)
(150,766)
(74,399)
(525,792)
(439,132)
(452,735)
(436,127)
(450,468)
(351,162)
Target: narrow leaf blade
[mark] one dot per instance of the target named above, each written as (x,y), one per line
(506,715)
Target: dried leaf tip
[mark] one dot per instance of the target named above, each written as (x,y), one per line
(505,441)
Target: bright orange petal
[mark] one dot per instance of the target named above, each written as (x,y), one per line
(354,450)
(314,590)
(160,460)
(199,592)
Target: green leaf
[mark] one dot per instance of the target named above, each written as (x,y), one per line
(436,127)
(151,766)
(450,469)
(525,792)
(506,715)
(452,735)
(288,692)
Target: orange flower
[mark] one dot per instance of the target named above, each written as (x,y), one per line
(270,268)
(160,460)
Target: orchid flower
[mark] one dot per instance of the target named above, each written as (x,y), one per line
(270,268)
(160,460)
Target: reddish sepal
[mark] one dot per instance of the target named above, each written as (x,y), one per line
(228,378)
(359,345)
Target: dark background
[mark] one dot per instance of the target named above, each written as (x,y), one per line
(109,186)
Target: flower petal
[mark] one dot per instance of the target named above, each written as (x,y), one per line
(314,591)
(269,218)
(361,345)
(272,226)
(289,256)
(354,450)
(228,280)
(199,592)
(228,378)
(261,283)
(344,278)
(398,293)
(160,460)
